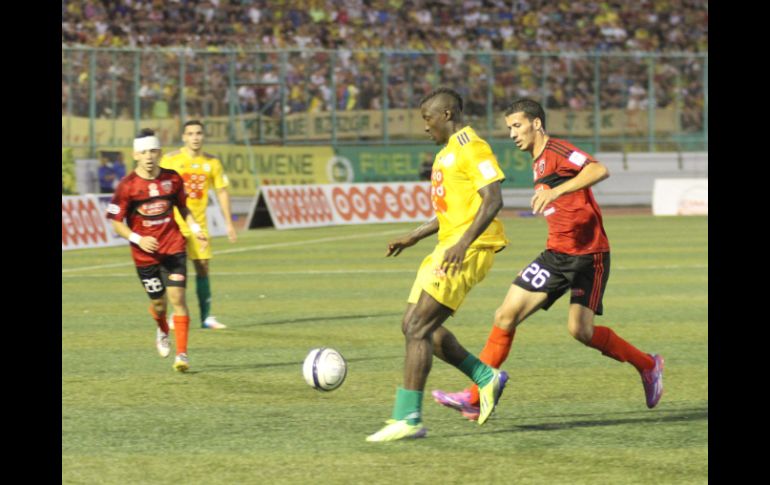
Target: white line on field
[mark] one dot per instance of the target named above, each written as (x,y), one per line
(370,271)
(251,248)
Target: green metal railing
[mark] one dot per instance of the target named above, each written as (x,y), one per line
(109,93)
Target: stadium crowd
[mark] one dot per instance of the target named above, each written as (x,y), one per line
(204,31)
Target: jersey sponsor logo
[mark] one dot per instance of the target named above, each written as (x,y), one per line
(577,158)
(438,191)
(153,190)
(487,170)
(194,185)
(156,222)
(113,209)
(154,208)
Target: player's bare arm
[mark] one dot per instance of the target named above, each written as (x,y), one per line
(491,203)
(194,227)
(148,244)
(591,174)
(397,245)
(224,203)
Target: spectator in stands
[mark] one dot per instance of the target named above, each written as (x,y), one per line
(422,25)
(111,170)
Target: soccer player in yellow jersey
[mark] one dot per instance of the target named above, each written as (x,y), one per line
(466,197)
(200,171)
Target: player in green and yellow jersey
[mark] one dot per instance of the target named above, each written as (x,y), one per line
(200,172)
(466,197)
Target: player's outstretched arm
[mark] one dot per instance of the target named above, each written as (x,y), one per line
(397,245)
(491,203)
(591,174)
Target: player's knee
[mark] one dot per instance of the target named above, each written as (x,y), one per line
(201,267)
(159,306)
(416,328)
(582,333)
(506,318)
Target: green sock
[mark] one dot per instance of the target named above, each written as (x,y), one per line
(408,406)
(479,372)
(203,290)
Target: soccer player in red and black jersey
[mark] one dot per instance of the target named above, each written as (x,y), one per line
(146,199)
(577,258)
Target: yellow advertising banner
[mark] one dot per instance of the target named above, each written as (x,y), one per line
(316,126)
(353,124)
(116,133)
(249,167)
(612,122)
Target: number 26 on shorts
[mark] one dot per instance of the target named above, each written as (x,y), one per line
(539,275)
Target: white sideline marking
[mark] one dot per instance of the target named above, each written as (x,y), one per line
(367,271)
(250,248)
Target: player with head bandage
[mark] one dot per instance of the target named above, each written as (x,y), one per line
(142,211)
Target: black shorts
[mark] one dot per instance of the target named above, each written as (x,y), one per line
(171,271)
(553,273)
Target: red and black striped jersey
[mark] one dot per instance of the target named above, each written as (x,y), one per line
(148,208)
(575,219)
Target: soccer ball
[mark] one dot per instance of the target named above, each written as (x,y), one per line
(324,369)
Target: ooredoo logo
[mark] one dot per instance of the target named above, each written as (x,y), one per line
(378,203)
(438,191)
(82,223)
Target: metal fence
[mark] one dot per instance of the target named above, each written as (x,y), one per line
(612,101)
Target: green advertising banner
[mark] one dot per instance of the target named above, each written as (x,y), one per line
(403,162)
(395,163)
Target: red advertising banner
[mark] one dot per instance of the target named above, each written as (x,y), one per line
(83,224)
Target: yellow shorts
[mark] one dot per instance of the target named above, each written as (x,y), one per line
(193,251)
(449,290)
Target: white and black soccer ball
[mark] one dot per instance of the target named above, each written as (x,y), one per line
(324,369)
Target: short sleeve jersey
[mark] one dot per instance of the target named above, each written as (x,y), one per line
(574,220)
(460,169)
(147,207)
(199,174)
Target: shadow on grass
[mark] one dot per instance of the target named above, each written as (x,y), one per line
(266,365)
(659,416)
(318,319)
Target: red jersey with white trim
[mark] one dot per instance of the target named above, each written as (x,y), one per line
(148,207)
(574,220)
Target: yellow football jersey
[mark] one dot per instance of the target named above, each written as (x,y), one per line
(460,169)
(199,174)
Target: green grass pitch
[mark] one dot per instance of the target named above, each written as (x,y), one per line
(243,414)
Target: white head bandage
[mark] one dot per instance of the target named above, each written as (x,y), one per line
(146,143)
